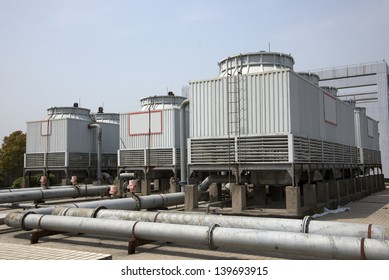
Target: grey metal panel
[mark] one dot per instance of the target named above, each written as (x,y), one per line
(367,135)
(306,107)
(81,139)
(376,102)
(110,137)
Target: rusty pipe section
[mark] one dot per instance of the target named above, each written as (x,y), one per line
(214,236)
(42,194)
(379,232)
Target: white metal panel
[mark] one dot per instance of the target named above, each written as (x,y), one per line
(168,137)
(264,106)
(141,123)
(208,108)
(39,141)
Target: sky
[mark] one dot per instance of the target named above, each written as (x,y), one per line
(114,53)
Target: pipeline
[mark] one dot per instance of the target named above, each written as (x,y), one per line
(98,148)
(331,247)
(306,225)
(8,190)
(183,140)
(204,185)
(41,195)
(131,203)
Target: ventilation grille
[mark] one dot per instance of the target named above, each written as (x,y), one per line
(315,151)
(55,159)
(148,157)
(107,160)
(244,150)
(159,157)
(132,157)
(35,160)
(263,149)
(209,151)
(78,160)
(368,156)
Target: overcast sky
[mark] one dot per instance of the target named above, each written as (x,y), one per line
(113,53)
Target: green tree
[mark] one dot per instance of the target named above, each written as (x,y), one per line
(12,156)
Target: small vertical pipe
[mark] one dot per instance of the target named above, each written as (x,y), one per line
(183,157)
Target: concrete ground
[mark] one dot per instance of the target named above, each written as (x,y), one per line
(373,209)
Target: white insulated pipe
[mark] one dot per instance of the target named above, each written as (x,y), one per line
(183,157)
(360,230)
(43,194)
(331,247)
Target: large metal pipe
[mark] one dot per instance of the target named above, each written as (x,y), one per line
(204,185)
(332,247)
(98,147)
(272,224)
(183,156)
(130,203)
(8,190)
(42,194)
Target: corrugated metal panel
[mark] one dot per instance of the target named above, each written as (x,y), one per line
(52,141)
(274,102)
(81,139)
(267,103)
(367,135)
(265,106)
(169,137)
(306,107)
(308,113)
(110,140)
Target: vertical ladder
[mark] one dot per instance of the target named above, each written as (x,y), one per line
(236,88)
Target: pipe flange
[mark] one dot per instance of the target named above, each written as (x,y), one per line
(22,225)
(96,210)
(137,200)
(163,199)
(43,196)
(77,189)
(210,236)
(155,218)
(133,230)
(305,224)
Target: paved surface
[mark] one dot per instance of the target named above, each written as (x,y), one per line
(373,209)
